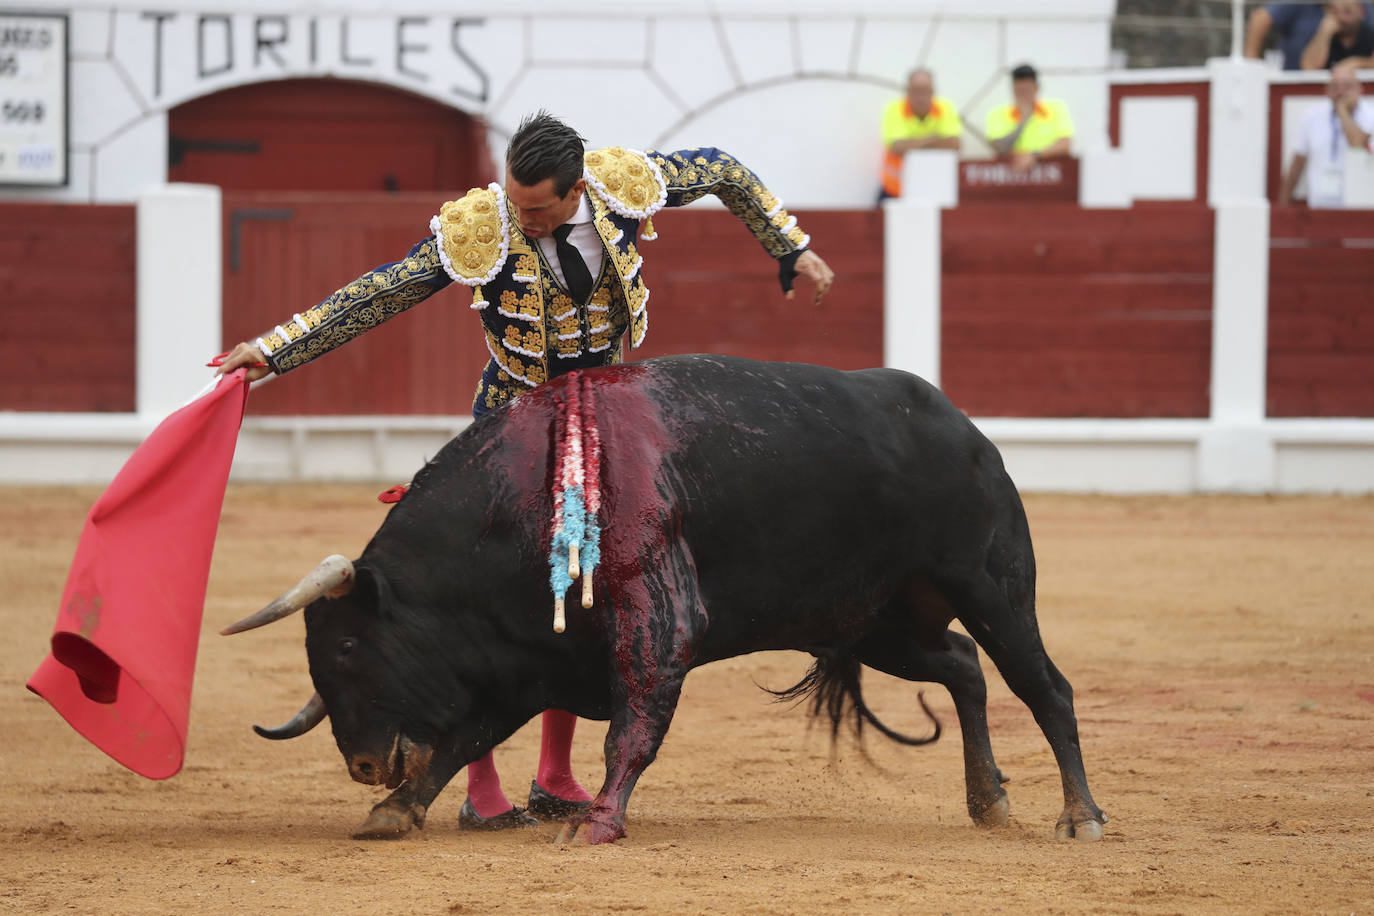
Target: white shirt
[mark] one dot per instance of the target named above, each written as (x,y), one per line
(1322,140)
(584,238)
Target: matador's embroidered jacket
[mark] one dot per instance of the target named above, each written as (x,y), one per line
(534,329)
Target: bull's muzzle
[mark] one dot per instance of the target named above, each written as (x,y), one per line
(405,761)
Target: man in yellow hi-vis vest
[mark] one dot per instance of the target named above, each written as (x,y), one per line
(1031,128)
(918,120)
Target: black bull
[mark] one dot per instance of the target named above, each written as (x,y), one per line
(747,506)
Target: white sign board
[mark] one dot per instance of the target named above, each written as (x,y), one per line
(33,99)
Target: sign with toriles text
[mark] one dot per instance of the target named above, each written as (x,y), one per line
(33,99)
(173,56)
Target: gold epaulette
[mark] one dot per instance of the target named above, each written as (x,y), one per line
(473,235)
(627,180)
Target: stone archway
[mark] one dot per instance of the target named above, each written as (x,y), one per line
(325,135)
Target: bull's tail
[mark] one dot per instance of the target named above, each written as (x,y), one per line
(834,688)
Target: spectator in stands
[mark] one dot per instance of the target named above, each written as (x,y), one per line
(1343,34)
(1342,120)
(1030,128)
(1296,23)
(918,120)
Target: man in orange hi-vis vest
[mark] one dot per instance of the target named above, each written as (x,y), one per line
(918,120)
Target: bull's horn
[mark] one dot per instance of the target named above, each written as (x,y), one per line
(311,714)
(333,577)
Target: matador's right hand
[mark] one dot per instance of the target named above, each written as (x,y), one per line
(245,354)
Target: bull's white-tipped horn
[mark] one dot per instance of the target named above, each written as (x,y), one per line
(311,714)
(333,577)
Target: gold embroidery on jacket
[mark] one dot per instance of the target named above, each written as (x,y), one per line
(739,189)
(358,307)
(474,234)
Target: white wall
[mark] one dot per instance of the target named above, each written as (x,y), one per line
(1159,137)
(794,88)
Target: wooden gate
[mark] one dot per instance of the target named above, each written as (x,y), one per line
(284,252)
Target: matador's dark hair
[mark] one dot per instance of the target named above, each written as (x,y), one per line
(1025,72)
(544,147)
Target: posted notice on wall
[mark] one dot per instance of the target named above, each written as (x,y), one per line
(33,99)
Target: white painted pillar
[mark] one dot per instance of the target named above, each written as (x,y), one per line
(1237,159)
(179,282)
(1240,311)
(1237,454)
(931,174)
(911,287)
(1237,28)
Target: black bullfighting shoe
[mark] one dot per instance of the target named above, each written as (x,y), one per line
(549,807)
(469,819)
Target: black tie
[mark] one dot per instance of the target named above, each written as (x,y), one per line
(574,268)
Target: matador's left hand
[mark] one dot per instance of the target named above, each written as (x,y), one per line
(810,266)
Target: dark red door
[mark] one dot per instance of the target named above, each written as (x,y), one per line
(325,135)
(325,179)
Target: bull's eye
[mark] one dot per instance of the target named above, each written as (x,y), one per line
(345,647)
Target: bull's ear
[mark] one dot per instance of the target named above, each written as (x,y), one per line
(369,589)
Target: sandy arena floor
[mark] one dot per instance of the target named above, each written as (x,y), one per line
(1221,649)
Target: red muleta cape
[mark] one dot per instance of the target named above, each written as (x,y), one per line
(124,648)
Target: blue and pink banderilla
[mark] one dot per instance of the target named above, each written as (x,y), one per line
(575,547)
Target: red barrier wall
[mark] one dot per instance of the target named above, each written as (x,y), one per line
(1053,311)
(67,301)
(715,290)
(1048,311)
(1321,313)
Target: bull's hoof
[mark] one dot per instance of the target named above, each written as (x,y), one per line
(388,822)
(997,814)
(588,833)
(1086,831)
(469,819)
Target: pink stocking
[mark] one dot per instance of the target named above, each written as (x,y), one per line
(555,757)
(484,788)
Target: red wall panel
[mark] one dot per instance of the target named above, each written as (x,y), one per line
(1054,311)
(715,290)
(295,249)
(1321,314)
(67,299)
(1047,312)
(1200,92)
